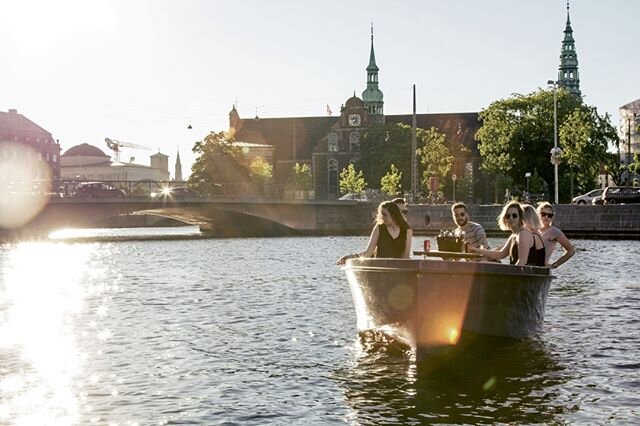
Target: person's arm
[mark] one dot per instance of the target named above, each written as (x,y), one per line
(407,245)
(494,254)
(569,250)
(525,241)
(482,238)
(373,241)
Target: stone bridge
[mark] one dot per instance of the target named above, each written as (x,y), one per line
(216,217)
(227,217)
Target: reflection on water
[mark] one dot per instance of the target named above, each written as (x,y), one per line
(491,380)
(41,291)
(102,234)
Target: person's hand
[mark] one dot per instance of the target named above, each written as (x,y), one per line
(342,260)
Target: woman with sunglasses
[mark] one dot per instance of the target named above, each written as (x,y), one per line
(523,247)
(391,237)
(552,236)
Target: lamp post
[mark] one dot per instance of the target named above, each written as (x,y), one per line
(555,152)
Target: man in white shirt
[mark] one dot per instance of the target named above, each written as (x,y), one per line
(472,232)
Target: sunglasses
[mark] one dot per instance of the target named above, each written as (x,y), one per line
(463,214)
(512,215)
(545,214)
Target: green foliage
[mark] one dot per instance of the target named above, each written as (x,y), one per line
(436,159)
(517,136)
(391,183)
(382,146)
(261,171)
(352,181)
(301,178)
(218,161)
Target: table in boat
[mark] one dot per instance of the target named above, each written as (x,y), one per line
(447,254)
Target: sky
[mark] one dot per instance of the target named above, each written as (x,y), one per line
(141,71)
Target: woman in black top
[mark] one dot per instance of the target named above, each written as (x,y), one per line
(391,237)
(521,247)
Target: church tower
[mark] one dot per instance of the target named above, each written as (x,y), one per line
(568,76)
(178,173)
(372,95)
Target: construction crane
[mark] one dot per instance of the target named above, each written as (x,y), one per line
(116,146)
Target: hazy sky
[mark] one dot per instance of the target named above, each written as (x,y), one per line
(141,71)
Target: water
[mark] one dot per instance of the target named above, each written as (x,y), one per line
(262,331)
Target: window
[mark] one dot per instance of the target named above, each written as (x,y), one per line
(332,169)
(332,142)
(354,141)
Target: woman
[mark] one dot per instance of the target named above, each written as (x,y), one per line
(551,236)
(391,237)
(523,247)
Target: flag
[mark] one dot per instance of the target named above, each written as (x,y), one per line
(329,112)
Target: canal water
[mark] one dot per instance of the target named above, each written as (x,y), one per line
(262,331)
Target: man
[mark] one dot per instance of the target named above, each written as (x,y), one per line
(402,204)
(474,234)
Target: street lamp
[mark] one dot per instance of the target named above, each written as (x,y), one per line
(555,152)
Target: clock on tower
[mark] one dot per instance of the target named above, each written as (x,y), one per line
(354,120)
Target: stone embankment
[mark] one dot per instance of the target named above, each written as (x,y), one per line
(611,221)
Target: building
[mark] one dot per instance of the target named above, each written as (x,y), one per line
(329,144)
(87,162)
(568,76)
(16,132)
(629,123)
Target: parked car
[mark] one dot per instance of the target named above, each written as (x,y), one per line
(97,189)
(175,192)
(588,197)
(621,194)
(354,197)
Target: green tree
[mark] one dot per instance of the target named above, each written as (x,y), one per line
(584,139)
(391,183)
(352,181)
(383,145)
(435,157)
(218,161)
(261,171)
(517,135)
(301,178)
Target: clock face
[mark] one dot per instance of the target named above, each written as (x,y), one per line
(354,120)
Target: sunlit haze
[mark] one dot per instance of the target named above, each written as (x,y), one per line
(142,71)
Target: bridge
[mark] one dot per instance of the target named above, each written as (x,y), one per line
(215,216)
(256,217)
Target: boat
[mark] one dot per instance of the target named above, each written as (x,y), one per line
(429,304)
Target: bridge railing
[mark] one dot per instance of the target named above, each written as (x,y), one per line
(67,188)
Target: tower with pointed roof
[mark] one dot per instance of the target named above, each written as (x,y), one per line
(372,95)
(568,76)
(178,171)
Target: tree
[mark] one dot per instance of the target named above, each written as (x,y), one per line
(218,162)
(391,183)
(352,181)
(301,178)
(384,145)
(261,171)
(517,135)
(435,157)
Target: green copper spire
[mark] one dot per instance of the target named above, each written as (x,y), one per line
(372,95)
(568,76)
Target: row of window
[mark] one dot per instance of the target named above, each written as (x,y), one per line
(26,139)
(7,154)
(354,142)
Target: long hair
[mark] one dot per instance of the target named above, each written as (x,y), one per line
(395,213)
(502,219)
(530,217)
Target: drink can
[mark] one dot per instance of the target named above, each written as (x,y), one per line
(427,245)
